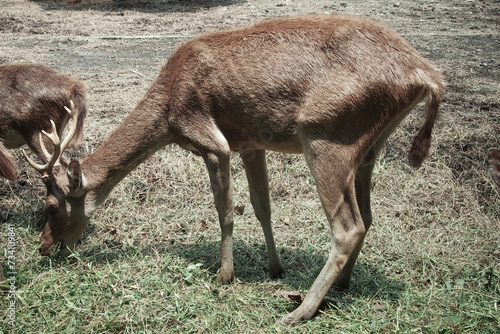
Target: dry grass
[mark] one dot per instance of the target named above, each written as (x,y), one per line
(148,262)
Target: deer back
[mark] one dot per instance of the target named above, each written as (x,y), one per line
(281,75)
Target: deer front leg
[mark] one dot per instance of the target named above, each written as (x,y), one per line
(219,170)
(256,170)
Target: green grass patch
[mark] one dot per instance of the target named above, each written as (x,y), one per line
(150,257)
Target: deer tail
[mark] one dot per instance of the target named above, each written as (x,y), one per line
(422,142)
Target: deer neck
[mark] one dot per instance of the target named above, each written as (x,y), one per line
(141,134)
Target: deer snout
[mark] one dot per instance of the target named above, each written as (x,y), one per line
(46,240)
(45,250)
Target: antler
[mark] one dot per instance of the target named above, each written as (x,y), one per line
(46,170)
(54,158)
(74,120)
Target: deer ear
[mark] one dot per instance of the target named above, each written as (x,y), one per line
(74,173)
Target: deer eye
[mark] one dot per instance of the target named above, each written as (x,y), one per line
(53,208)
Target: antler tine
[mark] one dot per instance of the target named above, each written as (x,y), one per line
(40,168)
(53,137)
(46,170)
(42,146)
(74,120)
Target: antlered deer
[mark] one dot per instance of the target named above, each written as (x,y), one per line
(494,160)
(31,96)
(332,87)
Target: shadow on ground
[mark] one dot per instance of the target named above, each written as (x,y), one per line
(301,266)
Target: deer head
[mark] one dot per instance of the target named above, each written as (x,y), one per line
(64,192)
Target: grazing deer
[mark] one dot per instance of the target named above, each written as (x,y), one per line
(31,96)
(494,160)
(331,87)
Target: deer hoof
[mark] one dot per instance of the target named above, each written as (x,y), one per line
(277,272)
(225,277)
(290,320)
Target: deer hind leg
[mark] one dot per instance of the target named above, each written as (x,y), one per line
(332,166)
(363,186)
(256,170)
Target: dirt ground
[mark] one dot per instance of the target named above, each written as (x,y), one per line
(118,47)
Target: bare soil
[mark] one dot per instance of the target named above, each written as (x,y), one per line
(118,47)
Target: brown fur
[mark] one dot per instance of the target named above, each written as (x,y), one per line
(7,166)
(332,87)
(31,96)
